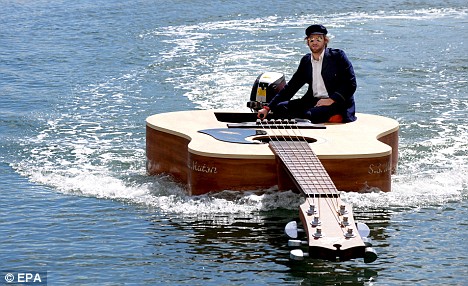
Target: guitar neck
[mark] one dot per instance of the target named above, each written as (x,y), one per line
(305,168)
(327,221)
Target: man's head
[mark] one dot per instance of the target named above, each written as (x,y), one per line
(316,37)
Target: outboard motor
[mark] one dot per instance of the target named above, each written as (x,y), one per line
(266,86)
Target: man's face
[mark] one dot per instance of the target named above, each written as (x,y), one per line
(316,43)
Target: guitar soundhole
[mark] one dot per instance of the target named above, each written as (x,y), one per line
(267,139)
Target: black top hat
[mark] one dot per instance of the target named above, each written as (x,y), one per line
(316,30)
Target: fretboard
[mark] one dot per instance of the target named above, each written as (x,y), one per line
(304,168)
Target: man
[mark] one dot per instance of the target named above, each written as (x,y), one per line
(331,80)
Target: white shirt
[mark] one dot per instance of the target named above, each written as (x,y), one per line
(318,86)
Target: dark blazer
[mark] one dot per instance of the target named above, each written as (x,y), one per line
(338,76)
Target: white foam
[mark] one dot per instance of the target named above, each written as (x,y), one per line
(163,194)
(414,192)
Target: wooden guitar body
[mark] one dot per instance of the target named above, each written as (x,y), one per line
(358,156)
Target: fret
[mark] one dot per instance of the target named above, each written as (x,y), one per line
(305,168)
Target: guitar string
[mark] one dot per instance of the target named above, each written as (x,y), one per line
(329,198)
(303,167)
(306,151)
(301,162)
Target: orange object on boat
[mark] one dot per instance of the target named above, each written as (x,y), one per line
(336,119)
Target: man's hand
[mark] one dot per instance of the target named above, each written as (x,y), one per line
(262,113)
(324,102)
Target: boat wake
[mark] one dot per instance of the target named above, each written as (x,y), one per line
(162,195)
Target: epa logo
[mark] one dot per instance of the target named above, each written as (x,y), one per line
(26,277)
(9,277)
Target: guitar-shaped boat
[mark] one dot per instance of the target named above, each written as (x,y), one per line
(212,151)
(229,155)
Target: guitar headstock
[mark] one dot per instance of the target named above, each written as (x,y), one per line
(331,232)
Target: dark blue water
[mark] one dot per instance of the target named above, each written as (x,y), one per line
(77,81)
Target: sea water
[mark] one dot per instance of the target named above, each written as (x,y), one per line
(79,78)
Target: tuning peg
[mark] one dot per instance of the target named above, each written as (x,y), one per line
(349,233)
(370,255)
(315,222)
(363,229)
(318,232)
(342,210)
(297,242)
(292,230)
(312,210)
(345,221)
(367,241)
(298,254)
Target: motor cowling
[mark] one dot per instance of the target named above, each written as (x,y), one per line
(266,86)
